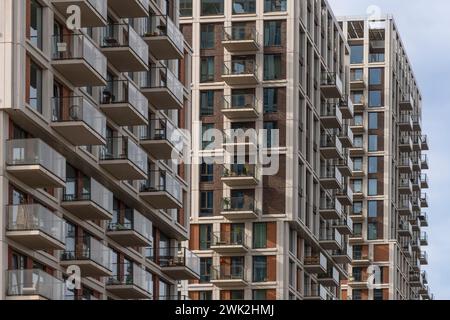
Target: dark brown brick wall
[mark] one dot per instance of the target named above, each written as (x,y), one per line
(274,193)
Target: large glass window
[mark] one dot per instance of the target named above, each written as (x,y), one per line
(259,269)
(357,97)
(270,100)
(205,270)
(207,103)
(357,54)
(272,67)
(374,99)
(207,36)
(375,75)
(205,236)
(373,120)
(357,164)
(260,235)
(357,207)
(272,33)
(36,24)
(372,232)
(207,69)
(373,187)
(373,143)
(185,8)
(357,229)
(270,127)
(373,165)
(211,7)
(206,203)
(372,209)
(359,120)
(275,5)
(35,95)
(244,6)
(357,185)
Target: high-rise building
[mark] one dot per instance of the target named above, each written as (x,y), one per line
(389,159)
(91,93)
(280,66)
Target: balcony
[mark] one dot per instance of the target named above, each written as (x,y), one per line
(330,240)
(240,142)
(162,140)
(417,122)
(315,263)
(122,102)
(361,259)
(226,276)
(344,225)
(405,123)
(329,279)
(345,196)
(330,209)
(417,142)
(358,281)
(78,59)
(345,166)
(124,48)
(357,125)
(240,72)
(405,207)
(405,229)
(239,208)
(162,191)
(356,237)
(331,85)
(78,121)
(407,103)
(424,277)
(347,107)
(315,292)
(165,41)
(162,89)
(33,284)
(240,106)
(133,282)
(90,255)
(346,136)
(331,116)
(424,181)
(35,163)
(425,146)
(129,9)
(405,144)
(415,279)
(331,178)
(124,159)
(177,263)
(357,80)
(240,175)
(240,38)
(407,250)
(423,218)
(93,13)
(405,165)
(424,239)
(330,147)
(424,200)
(359,102)
(405,187)
(230,242)
(423,258)
(343,255)
(94,202)
(131,229)
(35,227)
(424,162)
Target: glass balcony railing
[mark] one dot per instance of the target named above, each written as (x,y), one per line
(25,152)
(331,79)
(34,282)
(240,67)
(163,78)
(101,6)
(327,235)
(230,238)
(331,172)
(161,181)
(240,33)
(123,148)
(240,101)
(376,57)
(35,217)
(240,171)
(94,192)
(88,248)
(176,257)
(160,129)
(163,26)
(232,204)
(228,272)
(316,260)
(137,223)
(131,275)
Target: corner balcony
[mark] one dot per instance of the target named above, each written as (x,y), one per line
(344,225)
(240,72)
(405,144)
(346,136)
(131,229)
(347,108)
(122,102)
(329,279)
(162,191)
(226,242)
(162,140)
(405,207)
(424,162)
(240,38)
(425,146)
(345,196)
(240,175)
(78,121)
(227,276)
(343,255)
(162,89)
(407,103)
(124,159)
(331,85)
(316,263)
(330,240)
(424,181)
(330,209)
(330,147)
(405,229)
(423,218)
(405,165)
(331,178)
(315,292)
(124,48)
(137,283)
(331,116)
(165,41)
(239,208)
(33,284)
(240,106)
(129,9)
(424,200)
(405,123)
(405,187)
(35,163)
(92,202)
(35,227)
(423,258)
(177,263)
(78,59)
(90,255)
(93,13)
(423,239)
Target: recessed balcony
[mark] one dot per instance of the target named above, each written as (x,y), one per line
(130,229)
(240,175)
(331,116)
(405,186)
(330,147)
(93,13)
(360,259)
(315,263)
(329,279)
(122,102)
(357,79)
(356,238)
(239,208)
(165,41)
(124,159)
(242,141)
(331,85)
(227,242)
(359,102)
(357,125)
(77,120)
(407,103)
(162,191)
(240,72)
(226,276)
(33,284)
(136,284)
(330,178)
(35,163)
(405,123)
(79,59)
(177,263)
(129,9)
(240,106)
(344,225)
(330,240)
(240,38)
(330,209)
(162,89)
(35,227)
(347,107)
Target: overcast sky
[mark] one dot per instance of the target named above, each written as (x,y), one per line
(424,26)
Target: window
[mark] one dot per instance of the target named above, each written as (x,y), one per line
(357,208)
(205,236)
(207,172)
(359,120)
(259,269)
(357,229)
(207,36)
(357,185)
(372,232)
(356,54)
(206,203)
(373,120)
(373,187)
(207,135)
(358,141)
(378,294)
(244,6)
(270,127)
(356,294)
(374,99)
(260,294)
(373,165)
(205,295)
(372,209)
(207,69)
(357,97)
(205,270)
(35,95)
(373,143)
(259,235)
(36,24)
(272,67)
(357,252)
(357,75)
(275,5)
(270,100)
(237,295)
(185,8)
(272,33)
(357,164)
(211,7)
(375,75)
(207,103)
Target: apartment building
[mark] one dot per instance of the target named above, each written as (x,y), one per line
(280,66)
(94,205)
(389,159)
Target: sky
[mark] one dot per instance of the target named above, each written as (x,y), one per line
(424,26)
